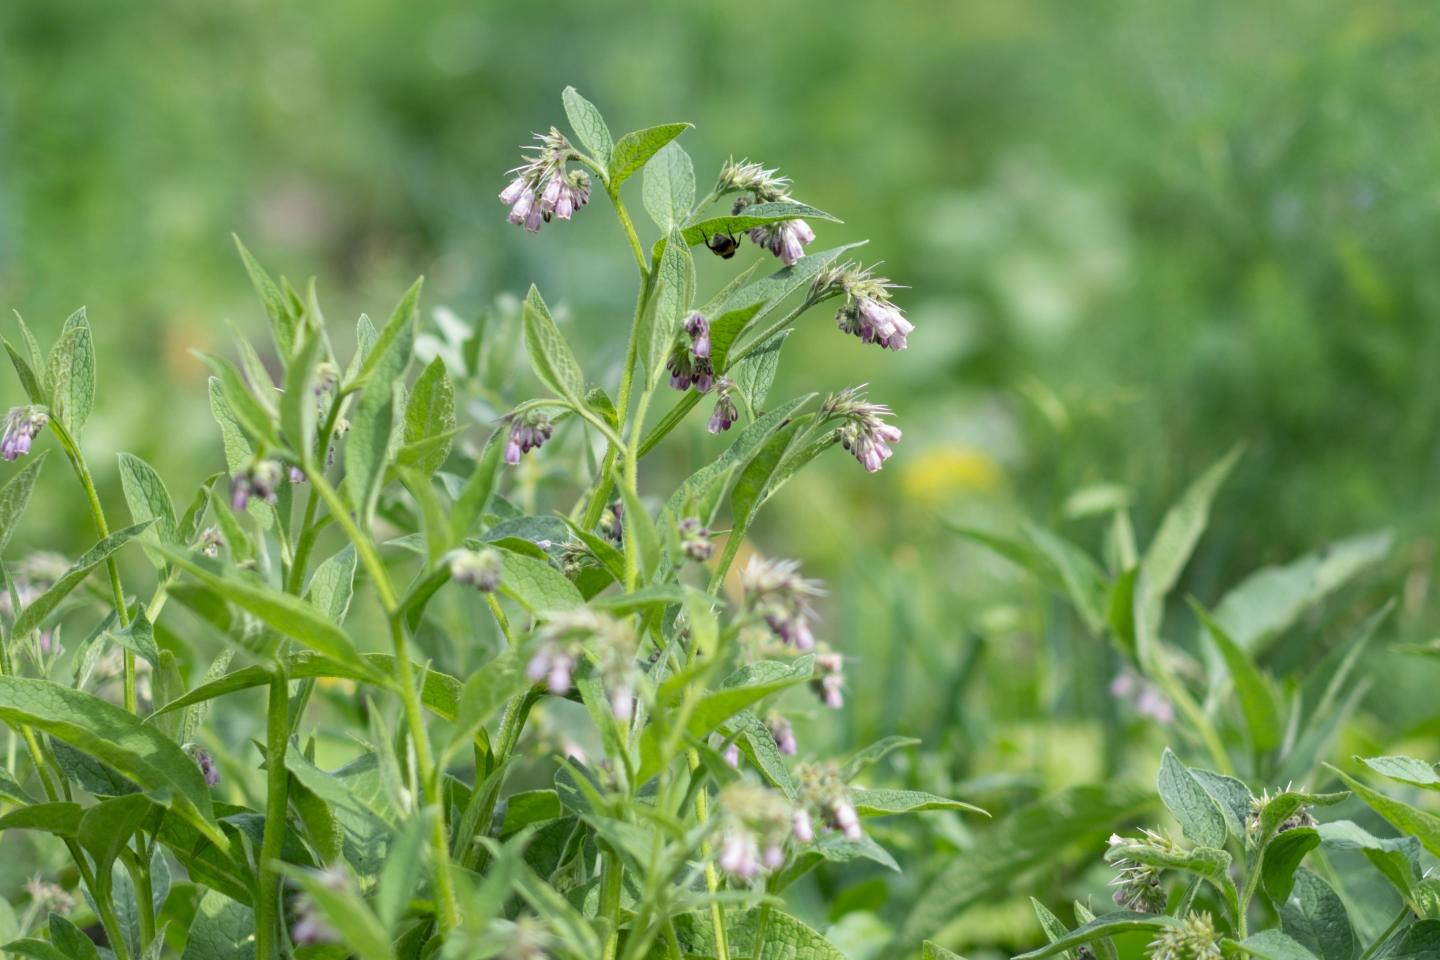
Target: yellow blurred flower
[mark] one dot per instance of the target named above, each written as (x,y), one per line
(938,474)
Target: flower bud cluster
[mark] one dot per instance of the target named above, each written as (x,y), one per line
(867,311)
(528,431)
(611,644)
(1193,938)
(543,187)
(822,793)
(260,480)
(1137,885)
(481,570)
(754,825)
(864,432)
(21,426)
(786,239)
(689,365)
(776,592)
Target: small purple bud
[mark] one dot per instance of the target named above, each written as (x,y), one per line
(520,209)
(534,219)
(846,819)
(784,735)
(551,195)
(207,767)
(725,414)
(297,475)
(558,680)
(482,570)
(21,426)
(803,827)
(622,703)
(699,329)
(773,857)
(739,856)
(732,755)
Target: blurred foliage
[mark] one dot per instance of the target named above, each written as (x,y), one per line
(1135,233)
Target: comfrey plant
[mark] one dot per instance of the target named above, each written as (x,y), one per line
(1252,876)
(668,823)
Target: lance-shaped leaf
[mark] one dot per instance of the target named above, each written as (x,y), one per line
(1316,917)
(367,446)
(430,415)
(297,407)
(148,499)
(138,751)
(223,929)
(283,612)
(588,125)
(42,606)
(29,366)
(240,404)
(15,496)
(72,374)
(346,910)
(755,215)
(1189,803)
(550,355)
(387,358)
(277,308)
(1121,921)
(631,151)
(1272,945)
(1421,824)
(674,285)
(884,803)
(1416,773)
(1283,856)
(1258,701)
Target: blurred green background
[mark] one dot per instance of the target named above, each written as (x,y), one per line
(1135,234)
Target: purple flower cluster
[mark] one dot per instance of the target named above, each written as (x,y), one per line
(694,539)
(542,187)
(690,366)
(260,480)
(725,414)
(564,639)
(21,426)
(528,431)
(868,311)
(778,594)
(481,570)
(830,680)
(786,239)
(822,790)
(864,432)
(1144,697)
(755,823)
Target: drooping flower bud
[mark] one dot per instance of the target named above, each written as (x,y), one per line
(211,541)
(207,767)
(528,431)
(783,734)
(821,789)
(867,311)
(260,480)
(297,475)
(802,826)
(543,186)
(695,539)
(864,431)
(831,680)
(481,570)
(732,755)
(699,330)
(726,412)
(755,823)
(776,592)
(21,426)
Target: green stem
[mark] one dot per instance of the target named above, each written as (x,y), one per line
(102,528)
(611,878)
(277,780)
(1381,940)
(139,867)
(760,924)
(712,877)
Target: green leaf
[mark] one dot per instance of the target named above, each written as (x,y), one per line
(1258,701)
(930,950)
(1198,813)
(1397,858)
(1208,862)
(1109,925)
(107,827)
(113,736)
(631,151)
(1273,598)
(72,374)
(298,407)
(71,940)
(1283,855)
(717,706)
(756,372)
(588,125)
(36,949)
(1421,824)
(1417,773)
(639,529)
(390,354)
(1273,945)
(430,414)
(755,215)
(61,818)
(786,938)
(674,285)
(1316,918)
(147,498)
(367,446)
(478,486)
(873,754)
(222,930)
(1284,805)
(41,607)
(1421,941)
(758,744)
(536,585)
(399,878)
(669,187)
(31,372)
(1233,797)
(15,496)
(277,308)
(283,612)
(333,584)
(488,689)
(1179,531)
(550,355)
(883,803)
(1032,835)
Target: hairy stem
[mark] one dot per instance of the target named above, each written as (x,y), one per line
(277,780)
(611,877)
(712,877)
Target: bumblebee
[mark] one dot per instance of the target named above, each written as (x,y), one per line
(723,245)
